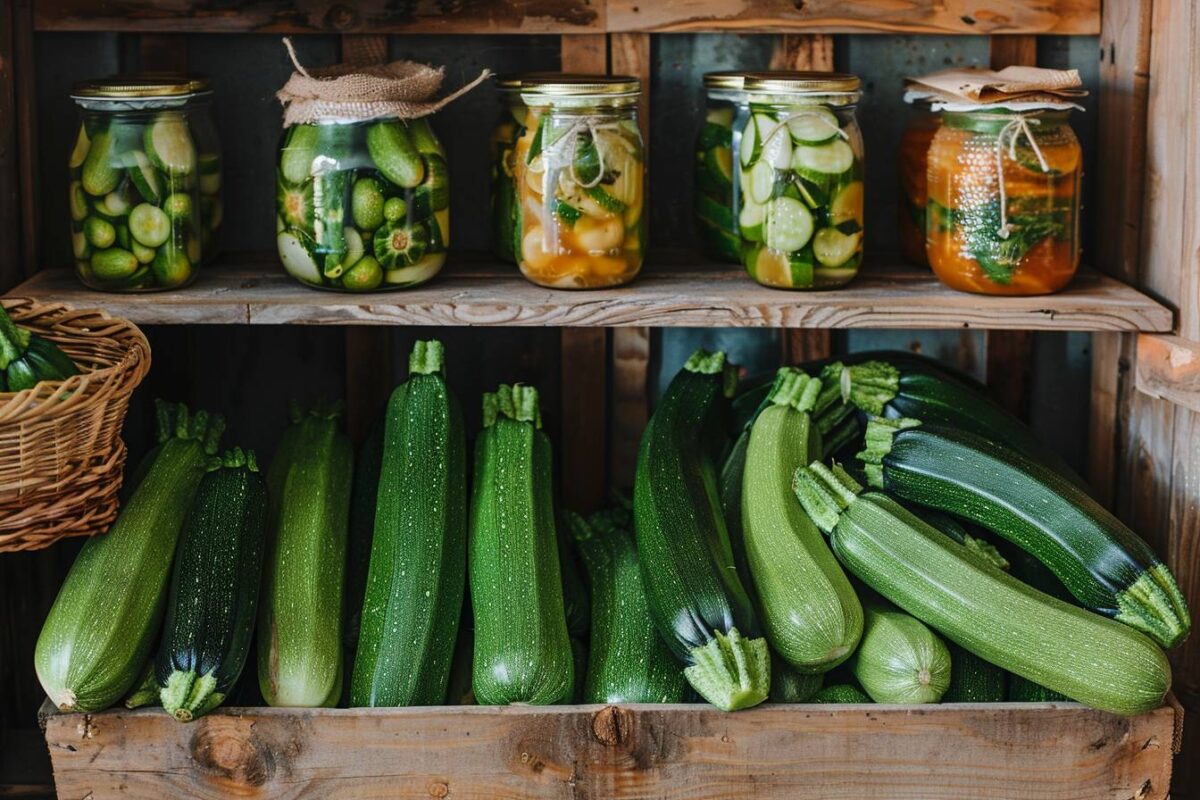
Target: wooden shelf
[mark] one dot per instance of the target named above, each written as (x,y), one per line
(572,16)
(672,291)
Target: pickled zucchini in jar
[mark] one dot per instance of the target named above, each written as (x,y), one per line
(1003,207)
(580,176)
(501,148)
(134,177)
(801,180)
(716,190)
(362,206)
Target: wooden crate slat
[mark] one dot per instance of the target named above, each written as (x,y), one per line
(672,291)
(1062,752)
(27,138)
(860,16)
(322,16)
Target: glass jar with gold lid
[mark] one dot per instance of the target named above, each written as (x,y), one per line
(509,128)
(801,165)
(579,173)
(144,193)
(716,192)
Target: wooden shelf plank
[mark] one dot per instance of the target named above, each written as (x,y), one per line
(572,16)
(673,291)
(1054,752)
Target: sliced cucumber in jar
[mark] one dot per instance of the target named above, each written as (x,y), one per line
(439,230)
(144,177)
(150,225)
(801,264)
(80,245)
(297,259)
(776,142)
(116,203)
(748,149)
(80,150)
(335,266)
(296,204)
(78,202)
(834,248)
(762,182)
(750,220)
(169,145)
(178,207)
(770,267)
(400,244)
(419,272)
(848,204)
(813,126)
(811,192)
(722,117)
(832,158)
(787,224)
(143,254)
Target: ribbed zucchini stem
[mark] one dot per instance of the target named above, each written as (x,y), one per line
(12,343)
(731,672)
(704,362)
(517,402)
(1154,605)
(236,458)
(792,388)
(175,421)
(145,691)
(187,696)
(869,386)
(879,437)
(825,493)
(841,435)
(427,358)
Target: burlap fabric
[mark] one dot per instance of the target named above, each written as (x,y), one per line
(400,90)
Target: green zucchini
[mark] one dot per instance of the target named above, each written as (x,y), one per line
(1101,561)
(841,694)
(900,660)
(629,662)
(972,679)
(790,685)
(99,632)
(936,396)
(145,688)
(27,359)
(300,611)
(363,497)
(1020,690)
(414,592)
(979,607)
(522,650)
(214,589)
(696,597)
(810,613)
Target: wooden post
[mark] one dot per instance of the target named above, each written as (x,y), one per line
(10,193)
(26,121)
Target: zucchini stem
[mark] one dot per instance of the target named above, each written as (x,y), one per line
(825,493)
(516,402)
(794,389)
(731,672)
(187,696)
(878,443)
(145,691)
(427,358)
(869,386)
(1154,605)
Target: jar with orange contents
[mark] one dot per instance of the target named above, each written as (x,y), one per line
(1002,215)
(913,163)
(579,172)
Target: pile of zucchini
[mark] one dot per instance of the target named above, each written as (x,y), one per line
(945,560)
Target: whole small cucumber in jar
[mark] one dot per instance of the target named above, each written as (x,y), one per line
(135,205)
(801,158)
(579,174)
(362,206)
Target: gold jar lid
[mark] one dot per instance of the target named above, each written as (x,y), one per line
(725,80)
(561,84)
(141,86)
(801,82)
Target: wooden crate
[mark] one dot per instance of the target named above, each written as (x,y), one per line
(951,752)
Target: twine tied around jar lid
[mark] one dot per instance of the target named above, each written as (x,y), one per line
(1018,125)
(561,154)
(397,90)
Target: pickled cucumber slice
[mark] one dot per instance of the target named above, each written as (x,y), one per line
(295,162)
(848,204)
(79,245)
(100,233)
(788,224)
(776,146)
(78,202)
(816,126)
(832,158)
(209,167)
(834,248)
(296,204)
(178,207)
(769,267)
(116,203)
(441,221)
(762,182)
(80,150)
(609,204)
(100,175)
(143,254)
(437,181)
(144,176)
(748,151)
(750,220)
(335,265)
(395,155)
(297,259)
(367,204)
(169,145)
(811,192)
(150,225)
(419,272)
(801,265)
(123,238)
(714,214)
(400,244)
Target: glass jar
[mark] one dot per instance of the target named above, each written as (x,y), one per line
(501,145)
(801,176)
(913,162)
(579,174)
(1003,209)
(716,192)
(209,168)
(134,191)
(362,205)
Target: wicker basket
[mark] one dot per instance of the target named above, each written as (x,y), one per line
(61,453)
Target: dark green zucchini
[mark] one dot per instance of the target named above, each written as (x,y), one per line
(26,358)
(363,497)
(696,598)
(972,679)
(841,693)
(1103,563)
(790,685)
(629,662)
(214,589)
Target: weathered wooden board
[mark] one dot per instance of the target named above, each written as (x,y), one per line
(969,752)
(670,292)
(1168,367)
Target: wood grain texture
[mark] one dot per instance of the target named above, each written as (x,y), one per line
(1110,371)
(630,392)
(859,16)
(1168,368)
(672,291)
(586,53)
(1182,555)
(10,186)
(27,137)
(323,16)
(1063,752)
